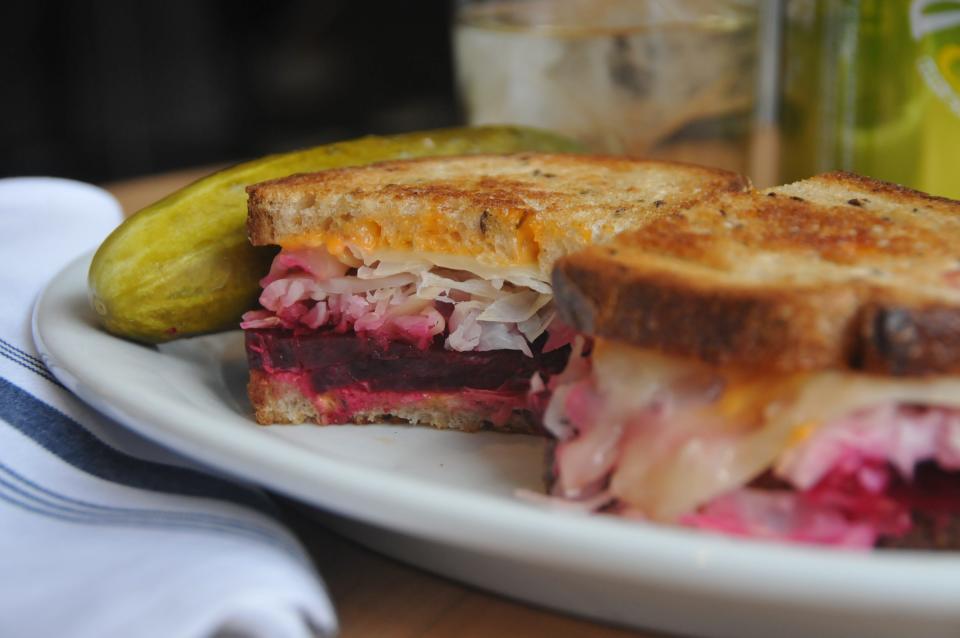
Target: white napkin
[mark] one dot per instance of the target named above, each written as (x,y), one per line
(101,532)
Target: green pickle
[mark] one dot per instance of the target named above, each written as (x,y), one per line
(183,266)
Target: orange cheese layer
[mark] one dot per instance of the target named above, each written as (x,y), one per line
(433,233)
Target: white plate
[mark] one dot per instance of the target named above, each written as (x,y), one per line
(445,500)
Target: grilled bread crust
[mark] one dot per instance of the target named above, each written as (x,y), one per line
(276,401)
(523,209)
(836,271)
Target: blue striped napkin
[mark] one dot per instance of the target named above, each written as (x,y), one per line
(101,532)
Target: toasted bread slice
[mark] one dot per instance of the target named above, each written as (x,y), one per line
(278,401)
(836,271)
(505,210)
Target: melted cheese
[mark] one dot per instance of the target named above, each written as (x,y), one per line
(424,233)
(363,242)
(522,275)
(716,430)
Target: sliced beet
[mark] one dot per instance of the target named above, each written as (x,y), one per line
(336,360)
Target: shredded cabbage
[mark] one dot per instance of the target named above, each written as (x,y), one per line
(528,276)
(515,308)
(398,297)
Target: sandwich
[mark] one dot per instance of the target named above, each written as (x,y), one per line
(419,291)
(780,364)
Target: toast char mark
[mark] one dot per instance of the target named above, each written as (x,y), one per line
(522,209)
(790,279)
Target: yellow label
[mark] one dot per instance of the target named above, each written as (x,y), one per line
(949,62)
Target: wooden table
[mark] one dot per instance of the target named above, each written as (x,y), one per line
(375,596)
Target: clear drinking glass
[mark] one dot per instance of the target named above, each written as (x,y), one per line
(671,79)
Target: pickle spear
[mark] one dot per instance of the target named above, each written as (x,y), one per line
(183,266)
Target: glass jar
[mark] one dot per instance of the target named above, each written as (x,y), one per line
(670,79)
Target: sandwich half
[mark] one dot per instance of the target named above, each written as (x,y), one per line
(418,291)
(782,364)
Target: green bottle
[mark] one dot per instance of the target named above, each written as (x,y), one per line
(936,28)
(873,86)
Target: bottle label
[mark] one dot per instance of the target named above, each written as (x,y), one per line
(936,25)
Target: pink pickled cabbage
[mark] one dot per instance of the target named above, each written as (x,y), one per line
(560,335)
(407,301)
(901,435)
(855,504)
(319,264)
(587,459)
(852,479)
(852,482)
(554,393)
(848,509)
(386,313)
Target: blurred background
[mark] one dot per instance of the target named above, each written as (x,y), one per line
(101,90)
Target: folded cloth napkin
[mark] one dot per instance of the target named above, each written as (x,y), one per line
(101,532)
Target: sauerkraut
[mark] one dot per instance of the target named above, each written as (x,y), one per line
(407,299)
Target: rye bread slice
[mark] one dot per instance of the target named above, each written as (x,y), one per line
(522,209)
(277,401)
(837,271)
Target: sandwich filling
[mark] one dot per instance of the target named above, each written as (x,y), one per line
(364,329)
(827,457)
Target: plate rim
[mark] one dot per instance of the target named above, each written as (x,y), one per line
(907,582)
